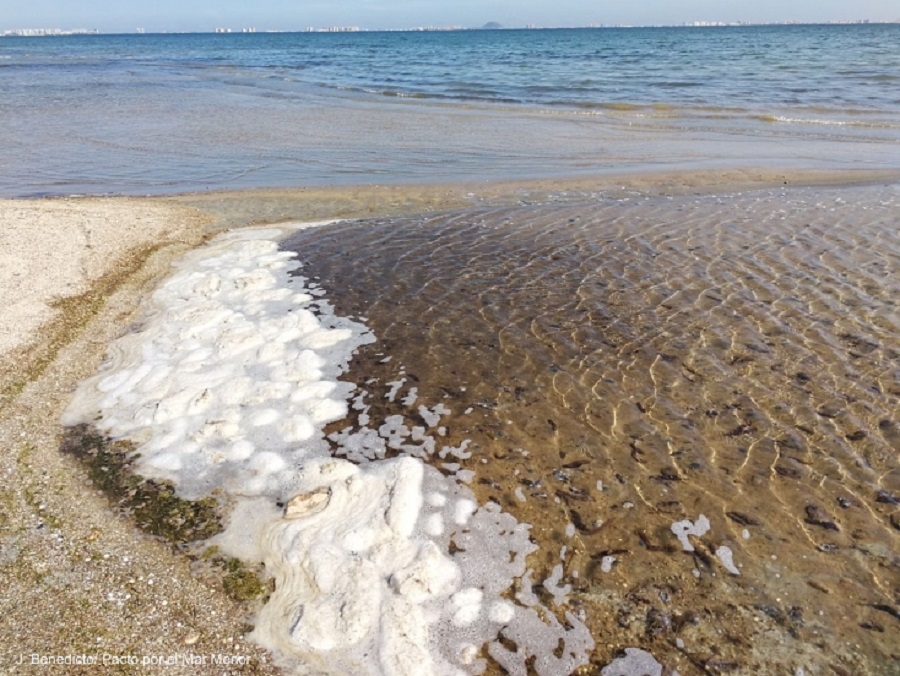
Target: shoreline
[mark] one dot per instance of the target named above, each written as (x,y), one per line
(264,206)
(75,566)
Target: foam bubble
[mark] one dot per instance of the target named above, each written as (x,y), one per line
(464,510)
(437,499)
(502,612)
(434,525)
(684,528)
(726,557)
(467,604)
(634,662)
(551,584)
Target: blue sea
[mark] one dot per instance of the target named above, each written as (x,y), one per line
(167,113)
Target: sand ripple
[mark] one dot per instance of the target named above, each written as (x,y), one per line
(622,365)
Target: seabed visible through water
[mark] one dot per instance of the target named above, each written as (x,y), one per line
(624,370)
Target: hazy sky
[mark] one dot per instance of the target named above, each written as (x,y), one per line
(202,15)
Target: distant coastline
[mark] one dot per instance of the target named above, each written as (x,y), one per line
(57,32)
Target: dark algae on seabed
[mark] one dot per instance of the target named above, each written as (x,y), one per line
(157,510)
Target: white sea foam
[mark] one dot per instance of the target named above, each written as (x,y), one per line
(226,389)
(726,556)
(684,528)
(557,591)
(635,662)
(831,122)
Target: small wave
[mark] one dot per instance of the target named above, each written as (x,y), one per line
(679,85)
(400,95)
(784,119)
(884,77)
(481,96)
(612,105)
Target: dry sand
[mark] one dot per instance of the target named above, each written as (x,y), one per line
(77,579)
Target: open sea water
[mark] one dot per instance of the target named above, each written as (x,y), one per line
(167,113)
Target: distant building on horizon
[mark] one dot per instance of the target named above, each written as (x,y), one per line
(41,32)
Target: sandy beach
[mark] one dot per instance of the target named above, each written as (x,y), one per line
(76,271)
(79,580)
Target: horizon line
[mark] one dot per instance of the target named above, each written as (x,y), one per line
(250,30)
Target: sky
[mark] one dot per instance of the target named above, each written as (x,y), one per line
(204,15)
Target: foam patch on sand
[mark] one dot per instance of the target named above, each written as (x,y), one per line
(227,386)
(229,381)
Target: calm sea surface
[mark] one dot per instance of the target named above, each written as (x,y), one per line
(164,113)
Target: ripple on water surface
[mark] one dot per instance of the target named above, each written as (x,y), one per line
(693,400)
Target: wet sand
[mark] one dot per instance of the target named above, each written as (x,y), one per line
(696,351)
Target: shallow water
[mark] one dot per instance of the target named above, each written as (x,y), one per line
(620,365)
